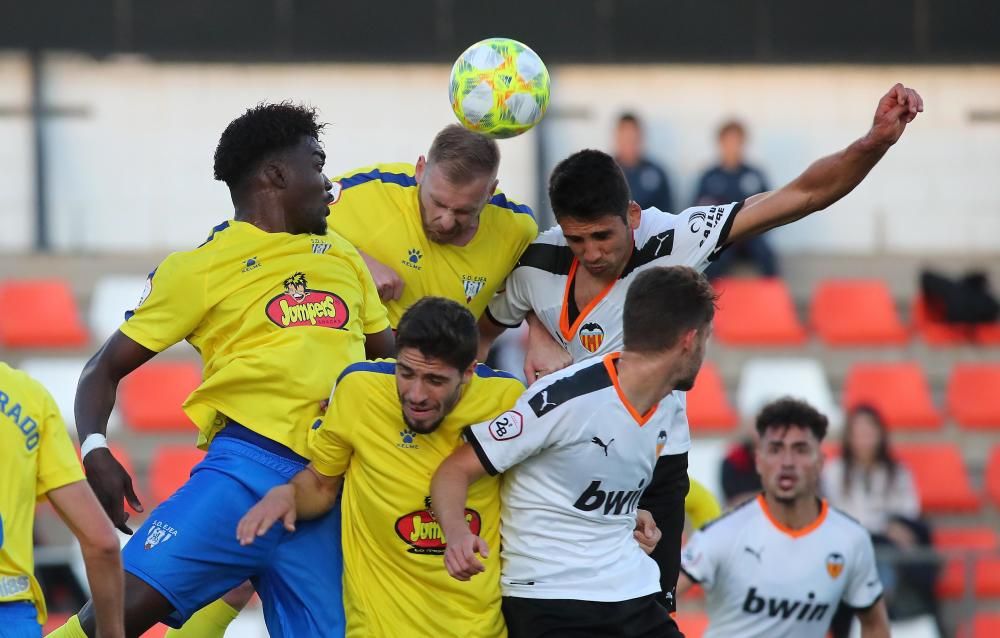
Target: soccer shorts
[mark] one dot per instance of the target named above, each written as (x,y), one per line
(187,548)
(545,618)
(19,619)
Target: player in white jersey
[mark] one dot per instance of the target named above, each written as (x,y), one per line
(779,565)
(574,277)
(577,452)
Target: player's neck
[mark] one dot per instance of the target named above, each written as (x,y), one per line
(262,218)
(644,380)
(794,515)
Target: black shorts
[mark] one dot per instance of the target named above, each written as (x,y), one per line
(562,618)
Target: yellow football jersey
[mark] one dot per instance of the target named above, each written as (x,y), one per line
(36,457)
(276,317)
(700,506)
(395,581)
(376,209)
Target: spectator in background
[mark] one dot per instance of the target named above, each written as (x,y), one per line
(740,481)
(647,181)
(866,481)
(732,180)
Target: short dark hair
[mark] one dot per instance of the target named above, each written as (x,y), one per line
(788,412)
(440,328)
(732,126)
(662,304)
(588,185)
(464,155)
(629,117)
(260,132)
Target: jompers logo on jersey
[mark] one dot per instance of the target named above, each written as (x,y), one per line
(613,501)
(591,336)
(300,306)
(807,609)
(423,534)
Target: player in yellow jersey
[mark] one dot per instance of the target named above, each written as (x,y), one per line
(439,227)
(277,306)
(37,461)
(700,506)
(388,427)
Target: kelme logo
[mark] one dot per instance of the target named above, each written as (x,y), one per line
(300,306)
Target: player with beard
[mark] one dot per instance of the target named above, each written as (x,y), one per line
(388,427)
(577,451)
(778,565)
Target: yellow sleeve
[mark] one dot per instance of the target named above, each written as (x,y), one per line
(331,444)
(700,506)
(171,306)
(57,462)
(374,316)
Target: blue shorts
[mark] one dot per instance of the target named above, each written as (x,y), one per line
(187,548)
(19,620)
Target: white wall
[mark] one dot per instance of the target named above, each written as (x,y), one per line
(16,158)
(137,173)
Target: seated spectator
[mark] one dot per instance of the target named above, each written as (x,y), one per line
(740,481)
(646,180)
(866,481)
(732,180)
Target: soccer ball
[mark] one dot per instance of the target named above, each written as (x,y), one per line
(499,87)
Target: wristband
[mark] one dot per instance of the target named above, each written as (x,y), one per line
(91,443)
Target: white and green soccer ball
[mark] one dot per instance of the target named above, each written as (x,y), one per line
(499,87)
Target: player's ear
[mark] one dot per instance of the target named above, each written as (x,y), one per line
(419,167)
(467,374)
(493,189)
(274,174)
(634,215)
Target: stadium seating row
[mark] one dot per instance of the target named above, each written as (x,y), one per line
(752,312)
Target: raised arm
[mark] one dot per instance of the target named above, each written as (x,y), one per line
(830,178)
(387,281)
(95,397)
(449,490)
(380,345)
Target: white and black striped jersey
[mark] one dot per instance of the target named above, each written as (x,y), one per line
(543,279)
(576,458)
(764,580)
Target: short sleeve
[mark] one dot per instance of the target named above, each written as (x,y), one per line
(678,430)
(170,307)
(703,233)
(863,585)
(57,462)
(700,559)
(512,303)
(331,440)
(511,437)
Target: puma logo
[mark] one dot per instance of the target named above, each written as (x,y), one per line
(755,554)
(598,441)
(545,400)
(662,237)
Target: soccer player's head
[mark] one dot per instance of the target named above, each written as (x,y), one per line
(789,457)
(272,153)
(456,180)
(436,344)
(668,313)
(591,201)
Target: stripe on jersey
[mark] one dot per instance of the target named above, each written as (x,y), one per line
(584,381)
(217,229)
(655,247)
(500,200)
(380,367)
(400,179)
(723,242)
(548,257)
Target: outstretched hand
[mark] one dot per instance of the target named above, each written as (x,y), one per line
(896,109)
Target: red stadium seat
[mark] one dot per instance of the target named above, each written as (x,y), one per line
(987,334)
(935,331)
(39,313)
(951,583)
(54,621)
(957,544)
(708,407)
(856,313)
(974,395)
(899,391)
(987,577)
(756,312)
(170,468)
(692,624)
(984,625)
(940,476)
(152,396)
(156,631)
(993,476)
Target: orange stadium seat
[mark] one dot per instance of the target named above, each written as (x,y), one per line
(856,313)
(899,391)
(993,476)
(756,312)
(940,475)
(987,577)
(169,469)
(693,624)
(984,625)
(974,395)
(39,313)
(708,408)
(956,544)
(152,396)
